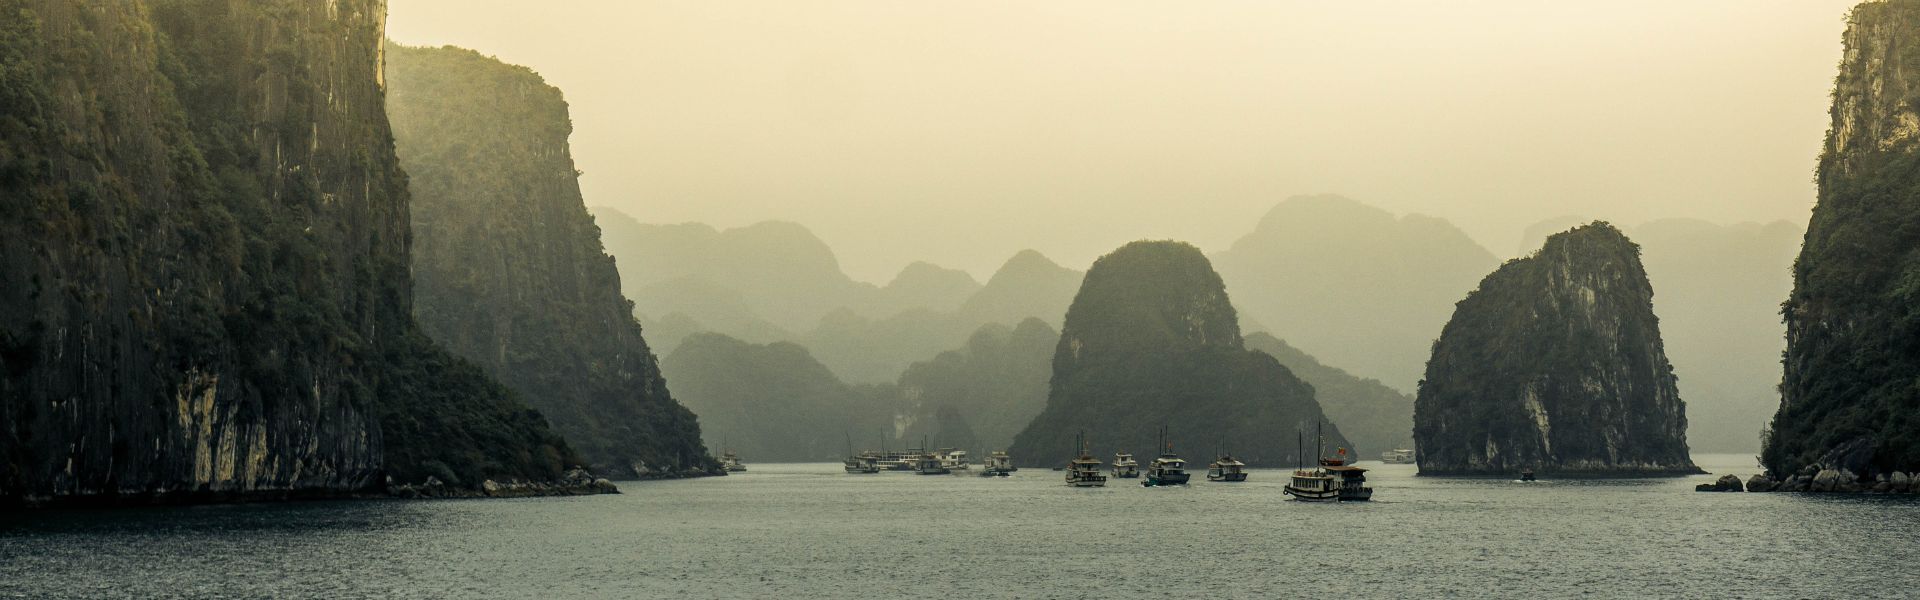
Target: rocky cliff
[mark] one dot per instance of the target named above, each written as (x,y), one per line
(204,250)
(1151,340)
(1853,319)
(508,266)
(1555,364)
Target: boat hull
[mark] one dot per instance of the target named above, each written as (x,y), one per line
(1306,495)
(1160,480)
(1228,478)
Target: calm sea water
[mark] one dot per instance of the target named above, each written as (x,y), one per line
(788,531)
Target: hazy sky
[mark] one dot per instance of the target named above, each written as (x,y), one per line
(961,132)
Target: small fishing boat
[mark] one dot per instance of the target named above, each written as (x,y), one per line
(1527,475)
(1084,470)
(1125,467)
(731,462)
(1168,468)
(998,465)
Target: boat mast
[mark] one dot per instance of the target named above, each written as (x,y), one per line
(1297,448)
(1319,443)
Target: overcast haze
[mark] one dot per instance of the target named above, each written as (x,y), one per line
(961,132)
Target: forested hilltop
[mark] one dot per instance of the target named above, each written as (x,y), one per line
(1151,340)
(204,239)
(1848,403)
(508,266)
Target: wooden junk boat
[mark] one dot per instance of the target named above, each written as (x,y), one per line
(1334,481)
(1084,471)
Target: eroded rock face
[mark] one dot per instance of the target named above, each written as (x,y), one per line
(1555,364)
(1854,315)
(203,262)
(509,266)
(1152,340)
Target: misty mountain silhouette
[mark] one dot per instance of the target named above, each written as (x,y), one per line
(1360,287)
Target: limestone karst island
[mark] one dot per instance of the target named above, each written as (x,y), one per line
(869,299)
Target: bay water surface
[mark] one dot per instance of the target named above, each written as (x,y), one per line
(810,530)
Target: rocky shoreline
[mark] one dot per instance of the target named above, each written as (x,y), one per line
(1839,481)
(576,482)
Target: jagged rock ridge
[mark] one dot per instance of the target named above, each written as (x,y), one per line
(1151,340)
(1555,364)
(509,268)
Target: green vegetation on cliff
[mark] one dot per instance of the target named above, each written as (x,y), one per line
(1849,399)
(204,236)
(508,266)
(1151,340)
(1555,363)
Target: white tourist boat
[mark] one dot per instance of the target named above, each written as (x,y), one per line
(1227,469)
(998,465)
(1084,470)
(731,462)
(1125,467)
(1167,468)
(1334,481)
(954,460)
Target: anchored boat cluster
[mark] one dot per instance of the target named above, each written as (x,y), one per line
(1333,481)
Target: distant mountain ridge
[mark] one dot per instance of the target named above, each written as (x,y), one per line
(690,278)
(1364,288)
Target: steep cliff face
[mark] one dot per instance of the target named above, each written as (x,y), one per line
(1363,288)
(203,245)
(508,266)
(1151,340)
(1853,319)
(1555,364)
